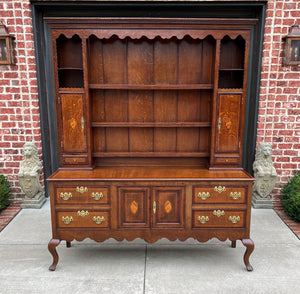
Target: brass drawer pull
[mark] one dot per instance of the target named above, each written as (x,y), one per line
(220,189)
(82,213)
(234,219)
(97,195)
(203,195)
(218,212)
(203,219)
(81,189)
(65,195)
(98,219)
(67,219)
(235,195)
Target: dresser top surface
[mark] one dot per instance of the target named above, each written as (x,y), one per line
(149,173)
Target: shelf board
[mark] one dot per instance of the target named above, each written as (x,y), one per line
(152,87)
(150,154)
(151,124)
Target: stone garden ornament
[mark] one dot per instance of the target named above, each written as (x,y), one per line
(265,177)
(29,177)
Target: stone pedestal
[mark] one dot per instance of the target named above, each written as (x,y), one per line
(261,203)
(34,203)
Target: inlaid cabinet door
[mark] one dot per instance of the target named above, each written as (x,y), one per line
(168,207)
(73,124)
(228,129)
(133,207)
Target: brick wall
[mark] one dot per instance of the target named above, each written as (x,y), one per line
(279,106)
(19,108)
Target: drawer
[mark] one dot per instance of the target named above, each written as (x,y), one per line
(218,218)
(83,219)
(219,194)
(82,194)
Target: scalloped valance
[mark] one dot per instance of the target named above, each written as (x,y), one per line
(136,28)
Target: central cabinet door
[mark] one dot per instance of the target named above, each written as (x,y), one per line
(168,207)
(156,207)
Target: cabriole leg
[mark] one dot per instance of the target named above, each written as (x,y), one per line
(68,244)
(250,247)
(233,244)
(52,249)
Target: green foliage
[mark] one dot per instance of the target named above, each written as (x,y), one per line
(4,191)
(291,197)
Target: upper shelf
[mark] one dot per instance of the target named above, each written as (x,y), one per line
(151,87)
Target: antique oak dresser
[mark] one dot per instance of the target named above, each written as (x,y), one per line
(150,117)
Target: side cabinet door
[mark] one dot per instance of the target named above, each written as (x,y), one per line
(133,207)
(73,129)
(168,207)
(228,129)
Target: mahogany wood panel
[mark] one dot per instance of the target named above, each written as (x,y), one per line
(169,207)
(133,207)
(74,136)
(229,116)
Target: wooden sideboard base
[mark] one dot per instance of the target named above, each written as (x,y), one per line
(138,202)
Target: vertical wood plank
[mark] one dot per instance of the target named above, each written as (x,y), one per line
(208,60)
(114,64)
(98,140)
(117,139)
(95,60)
(98,113)
(165,102)
(190,61)
(187,140)
(140,103)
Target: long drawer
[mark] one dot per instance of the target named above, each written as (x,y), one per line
(83,219)
(219,194)
(218,218)
(82,194)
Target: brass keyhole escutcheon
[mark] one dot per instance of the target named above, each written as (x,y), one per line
(220,189)
(81,189)
(82,213)
(218,213)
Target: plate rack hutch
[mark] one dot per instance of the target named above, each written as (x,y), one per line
(150,116)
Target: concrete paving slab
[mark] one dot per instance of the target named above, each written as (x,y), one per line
(137,267)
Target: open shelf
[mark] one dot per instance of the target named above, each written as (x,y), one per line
(152,124)
(151,86)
